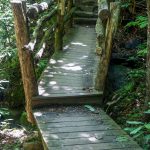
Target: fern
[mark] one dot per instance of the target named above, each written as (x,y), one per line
(140,21)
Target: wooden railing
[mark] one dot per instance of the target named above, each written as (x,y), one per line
(106,26)
(26,45)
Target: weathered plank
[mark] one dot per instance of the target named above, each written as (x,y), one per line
(69,79)
(73,128)
(70,75)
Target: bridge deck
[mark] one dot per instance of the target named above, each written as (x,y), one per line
(69,79)
(70,75)
(77,128)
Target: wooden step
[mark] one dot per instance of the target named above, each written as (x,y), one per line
(67,99)
(83,20)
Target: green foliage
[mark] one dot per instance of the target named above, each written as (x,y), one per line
(89,108)
(140,21)
(23,119)
(41,66)
(122,139)
(9,64)
(140,130)
(126,3)
(4,112)
(142,50)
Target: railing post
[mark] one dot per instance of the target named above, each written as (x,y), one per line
(105,56)
(25,57)
(60,26)
(69,7)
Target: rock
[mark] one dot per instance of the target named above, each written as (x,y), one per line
(132,43)
(35,145)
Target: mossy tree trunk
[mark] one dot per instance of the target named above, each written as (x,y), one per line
(60,26)
(25,57)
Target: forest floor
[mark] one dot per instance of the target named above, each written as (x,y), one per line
(15,132)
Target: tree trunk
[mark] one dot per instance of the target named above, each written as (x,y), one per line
(148,58)
(106,55)
(60,26)
(25,57)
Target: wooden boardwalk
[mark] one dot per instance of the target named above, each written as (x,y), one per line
(77,128)
(69,79)
(70,75)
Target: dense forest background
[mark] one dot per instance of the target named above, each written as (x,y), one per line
(126,97)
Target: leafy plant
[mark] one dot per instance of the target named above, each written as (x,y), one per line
(140,21)
(140,130)
(4,112)
(92,109)
(142,50)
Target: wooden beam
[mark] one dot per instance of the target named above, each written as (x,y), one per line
(34,43)
(35,9)
(70,99)
(42,46)
(106,55)
(25,57)
(60,26)
(103,10)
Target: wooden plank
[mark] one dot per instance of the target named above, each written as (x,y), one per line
(69,119)
(100,146)
(73,135)
(75,127)
(84,141)
(59,89)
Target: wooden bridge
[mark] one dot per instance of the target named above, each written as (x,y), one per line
(62,109)
(69,79)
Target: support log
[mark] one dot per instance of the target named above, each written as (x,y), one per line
(103,10)
(60,26)
(35,9)
(106,55)
(48,34)
(25,57)
(33,44)
(103,15)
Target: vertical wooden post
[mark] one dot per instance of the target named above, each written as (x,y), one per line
(103,15)
(25,57)
(60,26)
(69,7)
(148,59)
(106,55)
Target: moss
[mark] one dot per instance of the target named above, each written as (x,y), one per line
(23,119)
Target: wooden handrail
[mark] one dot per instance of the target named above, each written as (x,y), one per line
(106,28)
(35,9)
